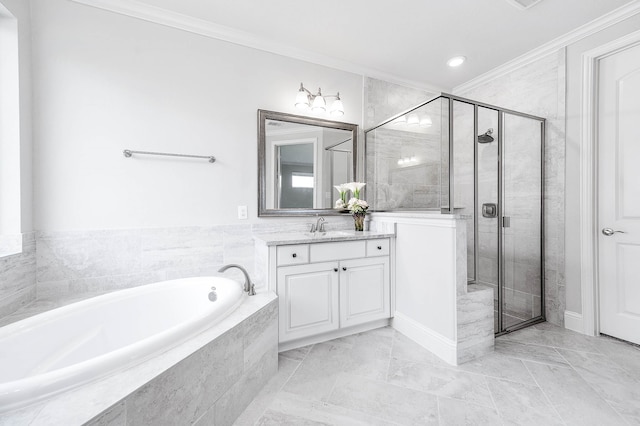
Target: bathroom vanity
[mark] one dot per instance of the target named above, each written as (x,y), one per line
(329,284)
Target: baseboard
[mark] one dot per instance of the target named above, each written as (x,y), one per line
(330,335)
(573,321)
(430,340)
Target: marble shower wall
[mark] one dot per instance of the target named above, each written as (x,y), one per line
(393,186)
(18,277)
(383,100)
(77,264)
(538,88)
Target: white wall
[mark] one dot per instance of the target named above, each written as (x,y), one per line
(572,200)
(105,82)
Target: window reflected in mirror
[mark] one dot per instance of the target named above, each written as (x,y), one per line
(303,162)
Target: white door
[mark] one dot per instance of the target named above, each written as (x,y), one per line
(619,194)
(364,290)
(308,300)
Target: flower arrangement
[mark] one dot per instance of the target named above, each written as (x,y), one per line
(355,205)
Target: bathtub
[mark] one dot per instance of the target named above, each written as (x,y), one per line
(78,343)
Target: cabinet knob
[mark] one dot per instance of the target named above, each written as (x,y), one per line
(335,269)
(344,268)
(379,247)
(294,255)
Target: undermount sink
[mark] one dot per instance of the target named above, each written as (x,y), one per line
(328,234)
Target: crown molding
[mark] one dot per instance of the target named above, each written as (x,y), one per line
(139,10)
(599,24)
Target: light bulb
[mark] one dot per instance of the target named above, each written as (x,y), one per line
(302,100)
(337,109)
(400,162)
(319,104)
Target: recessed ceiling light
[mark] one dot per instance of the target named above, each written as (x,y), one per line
(456,61)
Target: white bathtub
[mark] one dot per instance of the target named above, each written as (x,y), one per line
(77,343)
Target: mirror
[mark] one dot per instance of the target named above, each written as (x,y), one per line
(300,159)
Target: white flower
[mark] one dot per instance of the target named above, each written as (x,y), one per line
(357,206)
(339,204)
(355,188)
(342,188)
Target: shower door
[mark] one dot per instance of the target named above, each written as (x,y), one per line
(507,242)
(521,220)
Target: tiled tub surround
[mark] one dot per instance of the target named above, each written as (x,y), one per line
(18,277)
(66,266)
(209,379)
(67,347)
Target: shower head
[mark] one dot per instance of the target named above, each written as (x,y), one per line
(486,137)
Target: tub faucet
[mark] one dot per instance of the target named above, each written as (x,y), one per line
(319,226)
(248,286)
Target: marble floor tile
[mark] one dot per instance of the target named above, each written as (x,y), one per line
(501,367)
(297,354)
(408,350)
(613,383)
(393,403)
(460,413)
(573,398)
(555,339)
(289,409)
(532,379)
(543,354)
(522,404)
(441,381)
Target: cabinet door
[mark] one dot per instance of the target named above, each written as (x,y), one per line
(308,299)
(364,290)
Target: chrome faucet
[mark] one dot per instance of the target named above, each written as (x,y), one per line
(319,226)
(248,286)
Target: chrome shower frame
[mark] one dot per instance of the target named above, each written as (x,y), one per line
(451,190)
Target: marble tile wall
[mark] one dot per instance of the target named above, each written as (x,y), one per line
(18,277)
(538,88)
(393,186)
(213,385)
(383,99)
(77,264)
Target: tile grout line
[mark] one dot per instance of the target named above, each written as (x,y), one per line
(594,389)
(553,407)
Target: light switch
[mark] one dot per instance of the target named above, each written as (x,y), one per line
(242,212)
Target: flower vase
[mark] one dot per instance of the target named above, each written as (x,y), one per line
(358,220)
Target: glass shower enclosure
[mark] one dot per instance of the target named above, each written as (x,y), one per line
(489,161)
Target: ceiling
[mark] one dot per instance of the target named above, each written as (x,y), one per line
(407,40)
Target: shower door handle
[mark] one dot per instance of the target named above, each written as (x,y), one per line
(506,222)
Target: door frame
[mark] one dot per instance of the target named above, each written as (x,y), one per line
(589,179)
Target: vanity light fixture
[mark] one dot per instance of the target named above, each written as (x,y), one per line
(456,61)
(305,99)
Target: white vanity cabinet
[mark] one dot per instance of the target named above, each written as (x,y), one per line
(325,288)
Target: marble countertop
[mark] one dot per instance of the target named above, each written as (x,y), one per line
(318,237)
